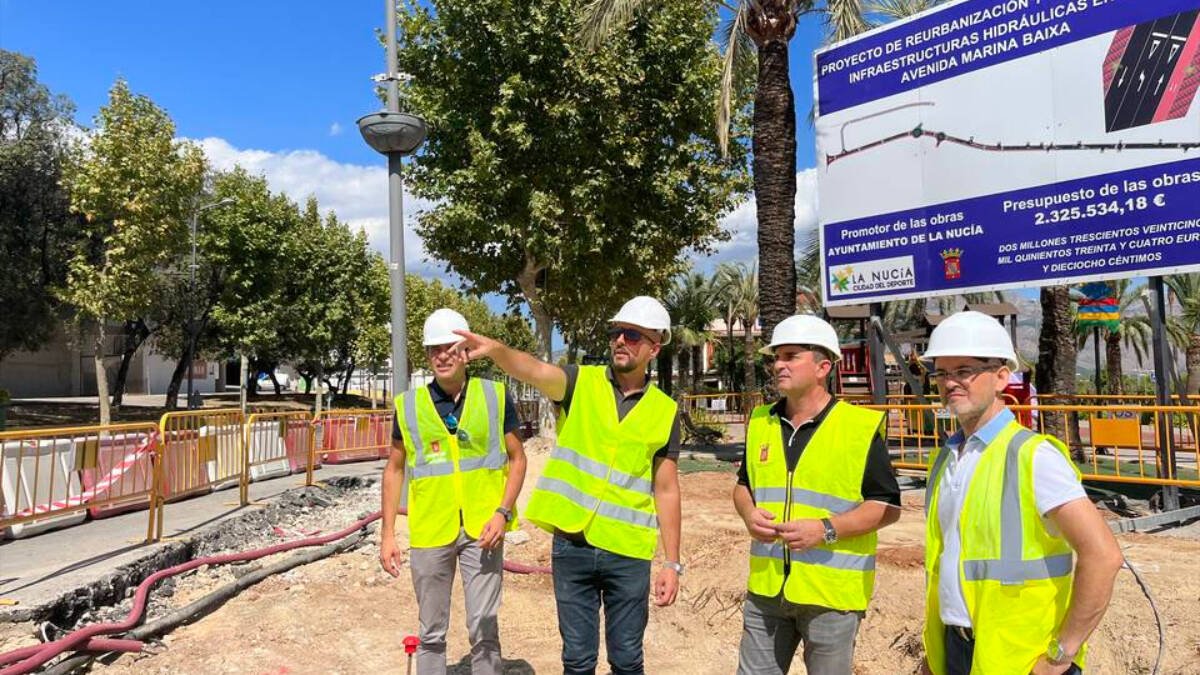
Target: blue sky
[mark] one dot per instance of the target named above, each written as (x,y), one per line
(277,87)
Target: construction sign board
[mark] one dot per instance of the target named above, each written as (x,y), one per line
(991,144)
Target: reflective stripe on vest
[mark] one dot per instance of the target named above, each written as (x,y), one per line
(1011,567)
(807,497)
(453,481)
(816,556)
(494,460)
(826,481)
(599,480)
(602,471)
(621,513)
(1015,575)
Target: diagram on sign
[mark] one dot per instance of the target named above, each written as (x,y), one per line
(1150,75)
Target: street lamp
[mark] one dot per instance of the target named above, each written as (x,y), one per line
(395,134)
(193,398)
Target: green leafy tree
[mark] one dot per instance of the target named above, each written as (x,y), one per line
(1184,326)
(135,185)
(565,178)
(36,227)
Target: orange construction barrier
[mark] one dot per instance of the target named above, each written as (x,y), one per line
(52,478)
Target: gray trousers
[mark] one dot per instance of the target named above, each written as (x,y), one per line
(772,628)
(433,577)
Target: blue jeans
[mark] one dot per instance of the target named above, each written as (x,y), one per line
(586,577)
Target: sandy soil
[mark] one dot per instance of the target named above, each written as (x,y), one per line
(343,615)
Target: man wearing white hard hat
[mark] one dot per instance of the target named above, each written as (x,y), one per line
(815,485)
(1006,518)
(609,489)
(457,441)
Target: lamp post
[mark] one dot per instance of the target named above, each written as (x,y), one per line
(395,134)
(192,399)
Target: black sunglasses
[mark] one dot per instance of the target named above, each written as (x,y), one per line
(632,337)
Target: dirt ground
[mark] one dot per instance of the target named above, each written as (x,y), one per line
(343,615)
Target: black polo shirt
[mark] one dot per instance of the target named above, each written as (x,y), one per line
(446,404)
(879,478)
(624,405)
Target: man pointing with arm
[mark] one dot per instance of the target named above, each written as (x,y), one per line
(610,487)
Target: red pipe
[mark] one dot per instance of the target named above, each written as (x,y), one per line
(27,659)
(80,637)
(99,645)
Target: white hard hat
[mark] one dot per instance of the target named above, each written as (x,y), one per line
(440,327)
(805,329)
(646,312)
(971,334)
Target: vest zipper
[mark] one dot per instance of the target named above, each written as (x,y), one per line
(787,516)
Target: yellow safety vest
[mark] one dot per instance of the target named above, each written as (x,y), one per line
(453,476)
(599,478)
(826,481)
(1015,575)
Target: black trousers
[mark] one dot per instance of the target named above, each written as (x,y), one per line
(960,651)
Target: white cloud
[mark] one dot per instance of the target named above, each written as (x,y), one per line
(358,194)
(335,129)
(742,224)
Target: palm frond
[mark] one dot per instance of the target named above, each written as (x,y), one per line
(601,17)
(891,10)
(845,18)
(736,48)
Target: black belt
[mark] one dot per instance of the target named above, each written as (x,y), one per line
(573,537)
(967,634)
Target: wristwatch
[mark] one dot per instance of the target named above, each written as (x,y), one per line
(1056,655)
(678,567)
(507,513)
(830,533)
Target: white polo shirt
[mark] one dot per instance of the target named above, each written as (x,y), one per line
(1054,484)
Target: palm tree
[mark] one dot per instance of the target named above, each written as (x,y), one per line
(739,287)
(1185,326)
(754,39)
(690,302)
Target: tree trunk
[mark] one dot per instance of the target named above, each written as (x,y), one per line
(184,364)
(177,376)
(1112,362)
(275,382)
(729,319)
(749,385)
(543,328)
(1192,356)
(698,368)
(1056,362)
(774,147)
(136,333)
(101,375)
(349,376)
(666,356)
(685,368)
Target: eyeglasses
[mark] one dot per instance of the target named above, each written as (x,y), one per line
(962,375)
(632,337)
